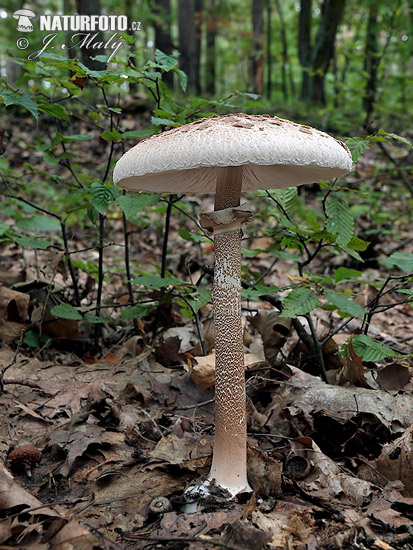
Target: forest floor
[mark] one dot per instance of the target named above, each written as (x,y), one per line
(123,432)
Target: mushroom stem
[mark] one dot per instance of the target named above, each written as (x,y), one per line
(229,464)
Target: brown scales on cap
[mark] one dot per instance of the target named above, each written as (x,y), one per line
(24,457)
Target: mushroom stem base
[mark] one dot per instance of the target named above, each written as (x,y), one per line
(229,464)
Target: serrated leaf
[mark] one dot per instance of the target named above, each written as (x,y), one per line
(100,196)
(357,146)
(157,282)
(92,212)
(343,304)
(344,274)
(286,197)
(66,311)
(55,110)
(403,260)
(132,204)
(299,302)
(370,350)
(340,221)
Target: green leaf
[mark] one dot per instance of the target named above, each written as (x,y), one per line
(132,204)
(395,136)
(96,318)
(111,135)
(66,311)
(249,95)
(39,223)
(345,274)
(254,294)
(358,244)
(299,302)
(100,196)
(55,110)
(286,197)
(92,212)
(343,304)
(75,137)
(199,298)
(190,236)
(31,339)
(23,100)
(157,282)
(31,242)
(140,310)
(168,62)
(357,146)
(403,260)
(370,350)
(340,221)
(163,121)
(138,134)
(183,79)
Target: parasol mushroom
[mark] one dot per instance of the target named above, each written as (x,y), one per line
(226,155)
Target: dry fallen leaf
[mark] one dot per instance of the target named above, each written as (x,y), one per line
(273,329)
(203,372)
(327,481)
(394,464)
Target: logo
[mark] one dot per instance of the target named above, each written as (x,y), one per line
(87,31)
(23,20)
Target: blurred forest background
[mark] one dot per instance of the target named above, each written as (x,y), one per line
(352,58)
(105,296)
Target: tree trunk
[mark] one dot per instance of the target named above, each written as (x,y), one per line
(67,10)
(284,55)
(323,48)
(91,7)
(268,48)
(198,42)
(210,67)
(371,60)
(163,40)
(133,87)
(189,42)
(304,46)
(257,64)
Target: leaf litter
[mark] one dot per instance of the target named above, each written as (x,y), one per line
(122,436)
(117,436)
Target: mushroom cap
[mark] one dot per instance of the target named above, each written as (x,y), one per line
(274,153)
(20,13)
